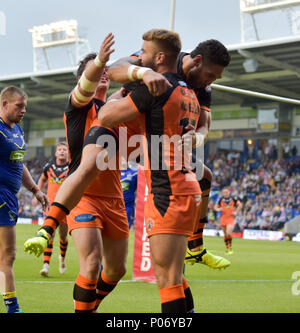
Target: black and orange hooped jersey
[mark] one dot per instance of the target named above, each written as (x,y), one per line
(166,116)
(78,122)
(56,174)
(228,206)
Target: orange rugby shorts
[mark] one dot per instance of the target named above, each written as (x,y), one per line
(108,214)
(226,221)
(175,214)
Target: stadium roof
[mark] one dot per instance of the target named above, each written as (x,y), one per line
(277,72)
(47,91)
(275,64)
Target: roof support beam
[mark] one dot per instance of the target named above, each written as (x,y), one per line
(260,57)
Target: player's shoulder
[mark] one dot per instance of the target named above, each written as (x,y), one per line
(176,80)
(47,165)
(19,129)
(204,91)
(2,124)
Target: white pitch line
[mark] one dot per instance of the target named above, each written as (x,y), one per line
(134,281)
(242,281)
(64,282)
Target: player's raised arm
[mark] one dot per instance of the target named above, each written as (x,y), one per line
(129,69)
(118,70)
(89,80)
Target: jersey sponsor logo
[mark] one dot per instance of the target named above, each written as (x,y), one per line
(125,186)
(85,218)
(190,107)
(208,89)
(17,156)
(12,216)
(56,180)
(149,223)
(182,83)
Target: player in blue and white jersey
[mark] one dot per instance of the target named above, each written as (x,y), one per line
(13,174)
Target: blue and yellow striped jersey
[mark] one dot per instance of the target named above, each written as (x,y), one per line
(12,151)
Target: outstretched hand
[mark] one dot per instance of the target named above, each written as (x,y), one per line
(105,49)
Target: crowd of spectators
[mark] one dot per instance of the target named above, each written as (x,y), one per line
(269,189)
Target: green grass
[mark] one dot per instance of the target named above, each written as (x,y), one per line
(259,280)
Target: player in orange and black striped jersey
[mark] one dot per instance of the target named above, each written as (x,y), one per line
(229,207)
(199,68)
(53,175)
(174,193)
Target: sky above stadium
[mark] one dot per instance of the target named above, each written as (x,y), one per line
(195,21)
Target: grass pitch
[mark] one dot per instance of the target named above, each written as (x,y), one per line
(259,280)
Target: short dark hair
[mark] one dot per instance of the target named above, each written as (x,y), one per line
(84,61)
(213,52)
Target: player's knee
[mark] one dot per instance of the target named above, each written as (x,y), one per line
(169,279)
(91,266)
(8,256)
(115,273)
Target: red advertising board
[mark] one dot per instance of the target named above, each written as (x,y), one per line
(142,263)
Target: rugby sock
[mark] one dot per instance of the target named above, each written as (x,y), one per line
(48,252)
(228,242)
(196,239)
(188,297)
(57,213)
(63,246)
(11,302)
(104,287)
(84,294)
(173,299)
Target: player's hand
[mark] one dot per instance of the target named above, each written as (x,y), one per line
(43,199)
(117,95)
(189,137)
(34,201)
(156,83)
(105,49)
(196,138)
